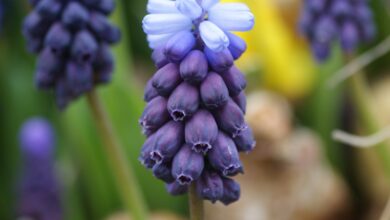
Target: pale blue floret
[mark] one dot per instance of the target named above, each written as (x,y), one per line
(211,18)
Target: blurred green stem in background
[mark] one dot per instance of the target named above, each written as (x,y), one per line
(362,100)
(122,170)
(195,203)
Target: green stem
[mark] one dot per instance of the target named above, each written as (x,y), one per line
(360,93)
(196,204)
(122,170)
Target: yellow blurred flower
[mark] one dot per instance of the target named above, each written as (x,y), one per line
(273,47)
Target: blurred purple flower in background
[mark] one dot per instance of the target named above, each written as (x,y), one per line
(194,119)
(72,39)
(39,193)
(324,21)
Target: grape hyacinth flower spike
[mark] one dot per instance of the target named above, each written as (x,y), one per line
(349,22)
(194,119)
(39,192)
(72,41)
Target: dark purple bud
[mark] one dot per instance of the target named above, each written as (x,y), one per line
(169,138)
(220,61)
(106,6)
(91,3)
(84,47)
(159,57)
(341,8)
(230,119)
(237,45)
(150,92)
(79,77)
(48,9)
(146,153)
(35,25)
(163,172)
(58,39)
(245,141)
(63,93)
(194,67)
(320,50)
(240,100)
(103,64)
(213,91)
(104,29)
(166,79)
(349,36)
(325,30)
(210,186)
(316,5)
(183,102)
(187,165)
(231,191)
(37,139)
(223,156)
(176,188)
(75,15)
(234,80)
(154,116)
(201,131)
(48,67)
(34,44)
(179,45)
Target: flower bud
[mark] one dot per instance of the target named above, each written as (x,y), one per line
(168,140)
(210,186)
(163,172)
(245,141)
(103,64)
(194,67)
(179,45)
(223,156)
(106,6)
(104,30)
(201,131)
(183,102)
(166,79)
(213,91)
(219,61)
(47,69)
(159,57)
(48,8)
(234,80)
(231,191)
(63,93)
(150,92)
(237,45)
(80,77)
(230,119)
(213,37)
(146,153)
(187,165)
(176,188)
(58,39)
(349,36)
(240,100)
(154,116)
(75,16)
(84,47)
(35,25)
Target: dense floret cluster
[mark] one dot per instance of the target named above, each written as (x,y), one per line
(324,21)
(72,39)
(194,118)
(39,193)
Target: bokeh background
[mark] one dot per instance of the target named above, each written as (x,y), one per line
(297,170)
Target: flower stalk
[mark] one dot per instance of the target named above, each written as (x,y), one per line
(196,204)
(122,170)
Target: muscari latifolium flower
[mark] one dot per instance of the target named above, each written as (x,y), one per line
(194,118)
(39,192)
(349,22)
(72,39)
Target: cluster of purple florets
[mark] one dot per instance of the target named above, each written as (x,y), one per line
(72,39)
(194,118)
(39,193)
(324,21)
